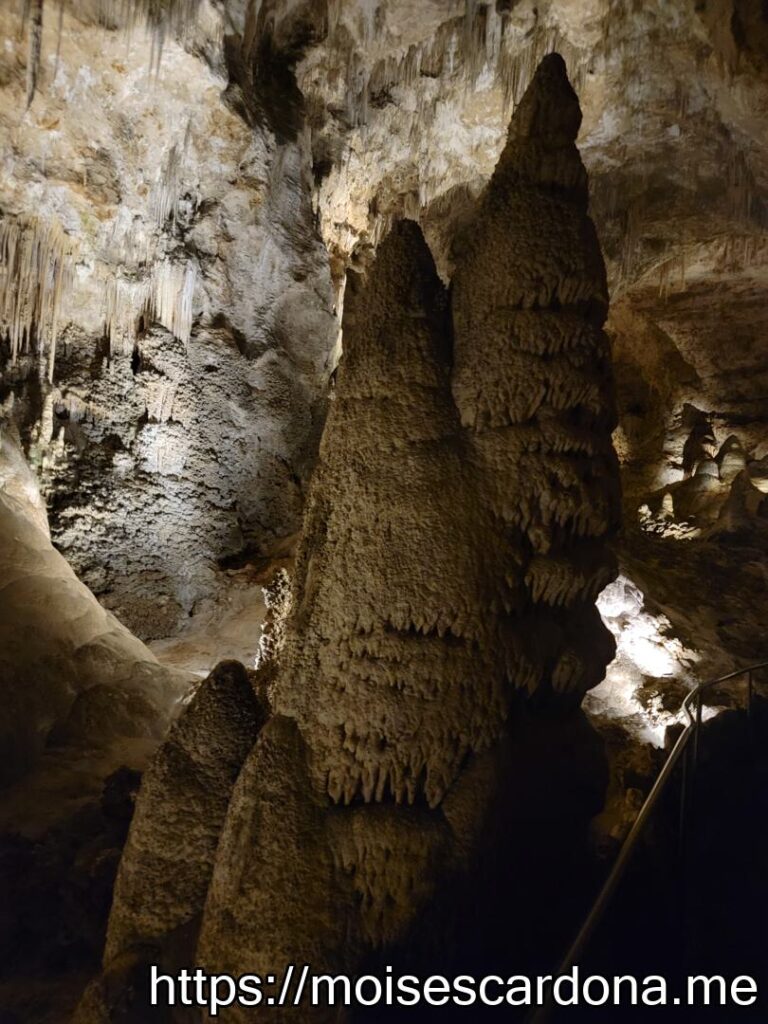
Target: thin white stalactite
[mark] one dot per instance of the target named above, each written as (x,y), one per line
(34,14)
(165,296)
(160,18)
(172,297)
(165,194)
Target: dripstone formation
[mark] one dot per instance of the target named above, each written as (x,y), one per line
(533,384)
(455,537)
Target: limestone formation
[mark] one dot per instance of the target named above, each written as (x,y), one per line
(72,676)
(169,855)
(379,689)
(434,575)
(533,385)
(390,666)
(731,459)
(168,858)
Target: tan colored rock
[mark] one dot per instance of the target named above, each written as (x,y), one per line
(276,897)
(168,858)
(418,604)
(731,459)
(533,384)
(390,665)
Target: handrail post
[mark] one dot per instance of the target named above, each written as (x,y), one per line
(683,807)
(699,716)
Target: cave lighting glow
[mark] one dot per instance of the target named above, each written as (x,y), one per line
(645,651)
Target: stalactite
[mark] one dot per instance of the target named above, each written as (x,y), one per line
(34,14)
(167,188)
(671,269)
(173,290)
(125,301)
(740,186)
(466,47)
(35,271)
(160,18)
(165,294)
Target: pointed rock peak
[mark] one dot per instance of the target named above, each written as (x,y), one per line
(402,283)
(541,141)
(403,263)
(549,109)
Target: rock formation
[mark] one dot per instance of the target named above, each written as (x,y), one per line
(454,540)
(533,385)
(168,858)
(164,252)
(73,677)
(389,667)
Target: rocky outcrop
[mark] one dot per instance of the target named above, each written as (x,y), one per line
(389,666)
(169,855)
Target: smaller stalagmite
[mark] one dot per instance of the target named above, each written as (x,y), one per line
(168,858)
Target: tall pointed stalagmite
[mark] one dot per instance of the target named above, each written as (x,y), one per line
(388,667)
(533,385)
(390,664)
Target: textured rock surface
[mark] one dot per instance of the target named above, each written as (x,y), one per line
(397,107)
(533,382)
(413,102)
(389,664)
(168,859)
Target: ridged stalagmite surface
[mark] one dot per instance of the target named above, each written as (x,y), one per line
(533,385)
(390,665)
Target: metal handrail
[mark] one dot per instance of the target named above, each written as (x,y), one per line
(615,875)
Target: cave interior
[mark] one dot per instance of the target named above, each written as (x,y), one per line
(384,498)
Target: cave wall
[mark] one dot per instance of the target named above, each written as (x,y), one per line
(196,312)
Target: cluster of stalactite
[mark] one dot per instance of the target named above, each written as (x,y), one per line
(164,294)
(161,19)
(482,39)
(455,537)
(35,272)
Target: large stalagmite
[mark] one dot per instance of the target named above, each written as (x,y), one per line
(533,385)
(454,541)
